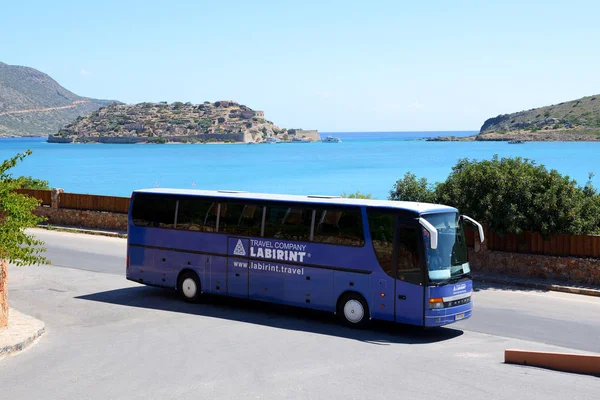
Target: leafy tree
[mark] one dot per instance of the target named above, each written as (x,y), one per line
(205,124)
(27,182)
(511,195)
(409,188)
(357,195)
(16,214)
(515,195)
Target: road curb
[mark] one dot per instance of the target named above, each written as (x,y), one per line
(541,286)
(83,231)
(588,364)
(23,330)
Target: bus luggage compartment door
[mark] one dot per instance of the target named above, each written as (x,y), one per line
(409,303)
(237,267)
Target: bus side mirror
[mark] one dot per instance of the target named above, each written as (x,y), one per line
(477,224)
(433,233)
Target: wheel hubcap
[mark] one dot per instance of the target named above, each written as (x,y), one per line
(353,311)
(189,288)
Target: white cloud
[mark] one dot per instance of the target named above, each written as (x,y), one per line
(85,72)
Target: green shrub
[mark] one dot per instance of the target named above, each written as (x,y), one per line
(409,188)
(157,140)
(357,195)
(511,195)
(205,123)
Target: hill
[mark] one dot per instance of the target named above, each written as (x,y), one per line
(572,120)
(221,121)
(576,120)
(34,104)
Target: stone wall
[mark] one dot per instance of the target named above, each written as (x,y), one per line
(220,137)
(584,271)
(308,134)
(237,137)
(58,139)
(83,219)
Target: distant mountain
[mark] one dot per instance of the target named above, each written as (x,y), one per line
(571,120)
(221,121)
(34,104)
(575,120)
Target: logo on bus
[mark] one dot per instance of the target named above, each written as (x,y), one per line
(239,249)
(460,287)
(280,251)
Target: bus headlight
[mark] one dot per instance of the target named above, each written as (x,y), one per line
(436,303)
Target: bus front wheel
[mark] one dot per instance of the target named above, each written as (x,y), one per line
(188,286)
(353,310)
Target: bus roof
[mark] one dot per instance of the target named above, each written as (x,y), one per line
(420,208)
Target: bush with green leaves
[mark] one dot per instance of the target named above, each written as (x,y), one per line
(205,124)
(357,195)
(511,195)
(157,140)
(16,214)
(409,188)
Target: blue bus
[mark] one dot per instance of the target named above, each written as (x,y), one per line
(361,259)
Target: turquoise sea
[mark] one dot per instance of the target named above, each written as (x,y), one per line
(370,162)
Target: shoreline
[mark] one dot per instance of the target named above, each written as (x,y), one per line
(564,135)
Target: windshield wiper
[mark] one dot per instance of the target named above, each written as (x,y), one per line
(452,280)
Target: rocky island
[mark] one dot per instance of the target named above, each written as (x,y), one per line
(576,120)
(219,122)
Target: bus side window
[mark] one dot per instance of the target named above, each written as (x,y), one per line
(210,217)
(339,226)
(409,260)
(238,219)
(153,211)
(288,223)
(192,212)
(249,215)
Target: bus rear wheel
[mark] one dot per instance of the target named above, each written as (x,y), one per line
(188,286)
(353,310)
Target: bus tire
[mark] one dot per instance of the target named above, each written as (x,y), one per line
(353,311)
(188,286)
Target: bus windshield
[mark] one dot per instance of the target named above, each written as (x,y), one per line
(449,260)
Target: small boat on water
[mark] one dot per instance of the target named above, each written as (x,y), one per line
(515,142)
(331,139)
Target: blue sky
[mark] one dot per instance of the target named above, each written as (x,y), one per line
(328,65)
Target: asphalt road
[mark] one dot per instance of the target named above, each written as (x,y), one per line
(109,338)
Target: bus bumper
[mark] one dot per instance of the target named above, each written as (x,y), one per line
(448,315)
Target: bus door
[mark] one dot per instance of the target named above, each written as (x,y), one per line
(407,268)
(238,265)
